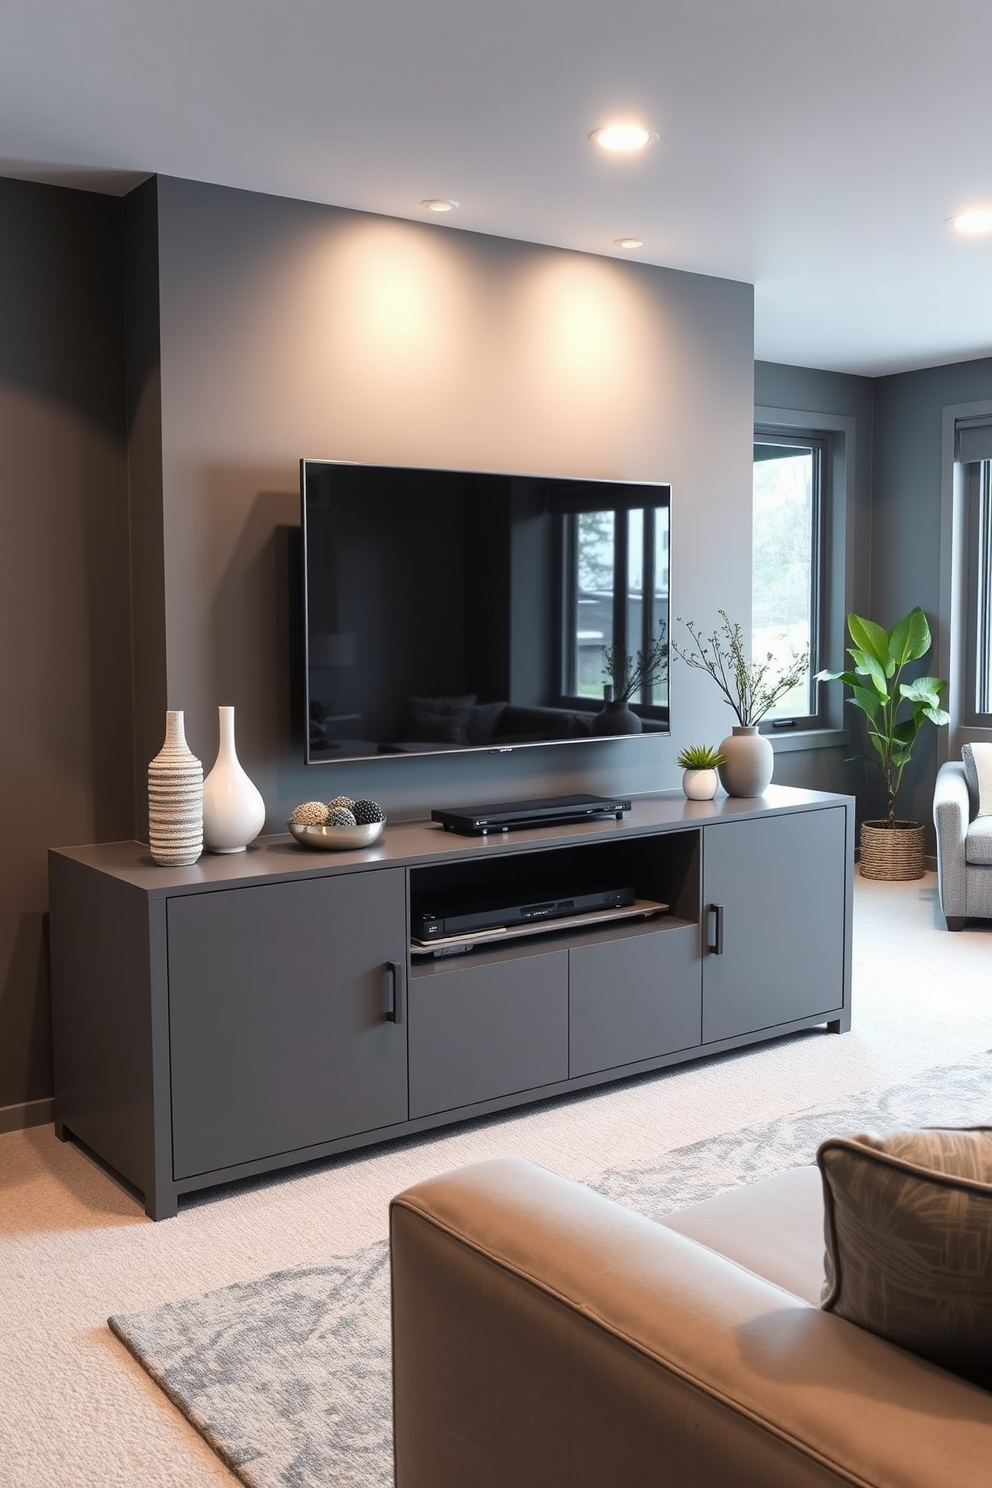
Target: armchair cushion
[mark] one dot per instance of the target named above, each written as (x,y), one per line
(908,1229)
(978,841)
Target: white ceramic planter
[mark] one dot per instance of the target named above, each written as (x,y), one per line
(233,809)
(700,785)
(748,762)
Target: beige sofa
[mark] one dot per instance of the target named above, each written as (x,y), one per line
(544,1337)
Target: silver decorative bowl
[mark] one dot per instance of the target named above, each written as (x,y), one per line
(337,839)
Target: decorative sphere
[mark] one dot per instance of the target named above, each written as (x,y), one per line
(310,814)
(344,801)
(367,811)
(340,816)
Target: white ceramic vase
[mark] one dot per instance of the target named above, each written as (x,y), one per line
(233,809)
(700,785)
(175,799)
(748,762)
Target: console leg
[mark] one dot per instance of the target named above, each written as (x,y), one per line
(62,1131)
(162,1205)
(841,1024)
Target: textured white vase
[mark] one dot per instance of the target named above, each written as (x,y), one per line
(175,799)
(233,809)
(748,762)
(700,785)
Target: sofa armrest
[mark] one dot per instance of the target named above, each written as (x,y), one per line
(543,1336)
(951,812)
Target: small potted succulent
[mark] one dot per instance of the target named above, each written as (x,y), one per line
(699,771)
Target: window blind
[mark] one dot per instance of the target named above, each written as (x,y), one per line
(973,441)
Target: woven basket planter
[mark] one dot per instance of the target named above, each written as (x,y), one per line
(894,852)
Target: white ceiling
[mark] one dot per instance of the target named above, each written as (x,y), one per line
(814,148)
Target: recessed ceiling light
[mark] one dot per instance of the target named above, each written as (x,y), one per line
(628,242)
(623,138)
(439,204)
(976,220)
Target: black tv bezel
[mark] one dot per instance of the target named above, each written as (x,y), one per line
(615,484)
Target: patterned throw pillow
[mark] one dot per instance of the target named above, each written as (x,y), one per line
(908,1231)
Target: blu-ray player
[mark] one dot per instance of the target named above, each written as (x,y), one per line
(467,916)
(503,816)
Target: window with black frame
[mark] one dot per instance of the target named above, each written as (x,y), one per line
(788,584)
(615,568)
(978,613)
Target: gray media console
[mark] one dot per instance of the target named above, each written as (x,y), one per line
(264,1009)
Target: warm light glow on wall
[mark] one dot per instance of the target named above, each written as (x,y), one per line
(395,345)
(586,356)
(414,346)
(397,299)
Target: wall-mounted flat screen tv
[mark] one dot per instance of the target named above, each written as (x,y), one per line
(464,610)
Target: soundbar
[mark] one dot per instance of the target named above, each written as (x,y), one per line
(505,816)
(467,918)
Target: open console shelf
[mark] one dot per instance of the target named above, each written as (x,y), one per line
(539,892)
(248,1013)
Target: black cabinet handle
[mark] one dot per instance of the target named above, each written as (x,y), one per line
(393,980)
(715,945)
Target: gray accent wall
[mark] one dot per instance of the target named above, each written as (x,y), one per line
(841,404)
(906,522)
(895,512)
(66,747)
(290,329)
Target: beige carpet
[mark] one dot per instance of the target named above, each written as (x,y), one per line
(75,1248)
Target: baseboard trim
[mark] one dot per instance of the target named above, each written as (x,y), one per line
(28,1113)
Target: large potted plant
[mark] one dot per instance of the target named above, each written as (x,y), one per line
(751,688)
(896,711)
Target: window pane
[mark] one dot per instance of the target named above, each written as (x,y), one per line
(592,623)
(615,576)
(784,563)
(659,617)
(635,585)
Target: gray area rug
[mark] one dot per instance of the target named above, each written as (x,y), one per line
(287,1377)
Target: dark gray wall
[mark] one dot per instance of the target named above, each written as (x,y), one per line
(896,516)
(848,400)
(290,329)
(906,522)
(907,482)
(142,348)
(66,746)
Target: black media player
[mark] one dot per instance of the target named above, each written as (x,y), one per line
(466,917)
(504,816)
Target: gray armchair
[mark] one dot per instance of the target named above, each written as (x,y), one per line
(964,843)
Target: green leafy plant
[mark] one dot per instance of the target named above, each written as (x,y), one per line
(750,687)
(877,688)
(700,757)
(629,675)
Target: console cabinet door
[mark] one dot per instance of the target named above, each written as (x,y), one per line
(635,997)
(484,1030)
(779,884)
(277,1003)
